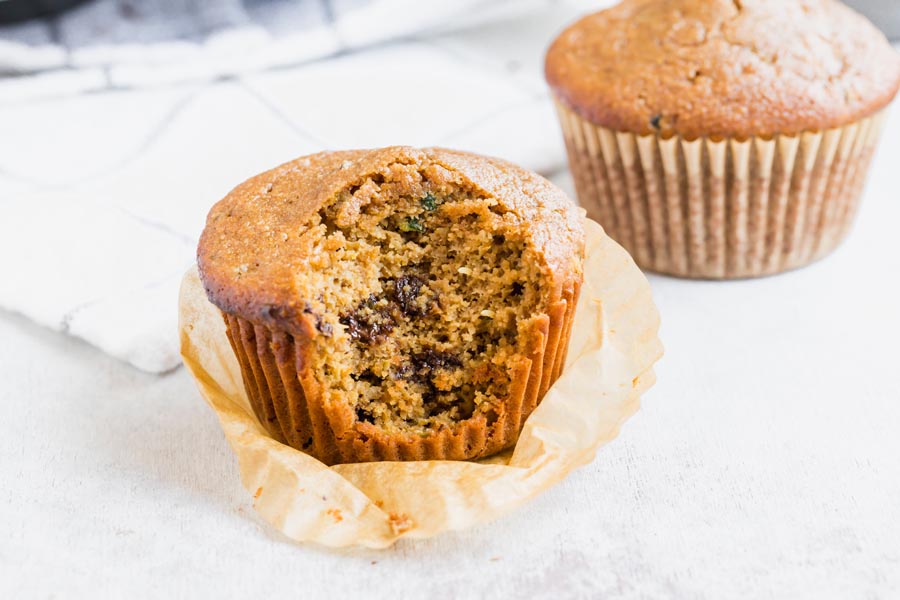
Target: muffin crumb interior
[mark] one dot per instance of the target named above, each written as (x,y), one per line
(421,289)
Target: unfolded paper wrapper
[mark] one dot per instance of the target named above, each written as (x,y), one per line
(613,348)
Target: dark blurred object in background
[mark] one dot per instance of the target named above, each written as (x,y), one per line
(22,10)
(884,13)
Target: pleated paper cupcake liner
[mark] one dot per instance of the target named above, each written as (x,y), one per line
(288,402)
(610,350)
(721,209)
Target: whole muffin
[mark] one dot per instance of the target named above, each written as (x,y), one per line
(395,304)
(722,138)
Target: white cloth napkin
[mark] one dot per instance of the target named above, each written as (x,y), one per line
(121,123)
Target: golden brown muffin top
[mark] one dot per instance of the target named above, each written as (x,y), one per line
(723,68)
(251,252)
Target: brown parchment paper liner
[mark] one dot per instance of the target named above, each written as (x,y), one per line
(612,349)
(721,209)
(279,396)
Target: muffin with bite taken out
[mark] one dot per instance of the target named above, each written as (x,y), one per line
(395,304)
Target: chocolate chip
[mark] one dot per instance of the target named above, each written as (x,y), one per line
(364,416)
(369,323)
(432,359)
(655,121)
(368,376)
(365,331)
(422,364)
(406,291)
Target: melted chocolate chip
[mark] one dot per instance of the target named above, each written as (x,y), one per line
(365,331)
(406,290)
(422,364)
(369,324)
(517,289)
(367,376)
(431,359)
(364,416)
(372,320)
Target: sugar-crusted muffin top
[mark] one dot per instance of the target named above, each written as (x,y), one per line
(723,68)
(252,257)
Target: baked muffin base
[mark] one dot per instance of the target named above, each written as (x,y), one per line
(274,373)
(721,209)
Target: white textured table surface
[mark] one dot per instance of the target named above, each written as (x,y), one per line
(765,463)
